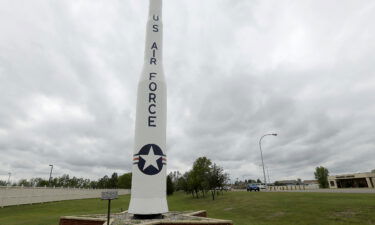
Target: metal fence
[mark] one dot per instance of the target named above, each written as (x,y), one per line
(293,187)
(29,195)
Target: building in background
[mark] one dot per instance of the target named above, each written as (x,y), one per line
(286,183)
(311,183)
(355,180)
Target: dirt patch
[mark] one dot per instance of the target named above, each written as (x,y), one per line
(276,214)
(345,214)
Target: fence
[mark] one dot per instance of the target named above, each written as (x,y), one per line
(293,187)
(29,195)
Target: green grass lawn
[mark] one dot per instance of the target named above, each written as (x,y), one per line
(243,208)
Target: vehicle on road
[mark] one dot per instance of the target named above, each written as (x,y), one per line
(227,188)
(224,188)
(262,186)
(252,187)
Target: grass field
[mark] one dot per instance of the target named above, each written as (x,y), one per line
(244,208)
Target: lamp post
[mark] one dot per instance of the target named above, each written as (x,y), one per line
(268,175)
(50,175)
(261,155)
(9,178)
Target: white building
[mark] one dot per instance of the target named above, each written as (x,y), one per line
(355,180)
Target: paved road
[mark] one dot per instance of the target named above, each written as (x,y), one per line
(341,190)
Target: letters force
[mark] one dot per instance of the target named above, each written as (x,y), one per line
(152,86)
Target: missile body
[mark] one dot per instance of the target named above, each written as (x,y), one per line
(148,192)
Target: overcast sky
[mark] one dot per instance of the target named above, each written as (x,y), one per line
(235,70)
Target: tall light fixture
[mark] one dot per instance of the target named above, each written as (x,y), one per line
(261,155)
(50,175)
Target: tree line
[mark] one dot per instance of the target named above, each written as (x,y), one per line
(204,177)
(112,182)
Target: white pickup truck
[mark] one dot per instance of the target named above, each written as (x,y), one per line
(261,185)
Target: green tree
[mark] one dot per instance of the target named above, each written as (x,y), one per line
(175,176)
(125,181)
(202,178)
(54,182)
(373,171)
(113,181)
(63,181)
(3,183)
(73,182)
(103,182)
(216,179)
(93,184)
(321,174)
(24,182)
(259,181)
(182,183)
(198,178)
(170,185)
(38,182)
(84,183)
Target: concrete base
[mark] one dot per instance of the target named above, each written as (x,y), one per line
(72,220)
(125,218)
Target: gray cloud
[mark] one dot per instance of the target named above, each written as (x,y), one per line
(235,71)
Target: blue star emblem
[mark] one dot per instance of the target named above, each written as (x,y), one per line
(150,159)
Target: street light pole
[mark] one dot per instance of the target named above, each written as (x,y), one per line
(268,175)
(261,155)
(9,178)
(50,175)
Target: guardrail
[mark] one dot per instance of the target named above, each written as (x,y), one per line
(29,195)
(293,187)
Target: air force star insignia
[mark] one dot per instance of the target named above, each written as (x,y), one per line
(150,159)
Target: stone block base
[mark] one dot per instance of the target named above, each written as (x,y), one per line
(125,218)
(71,220)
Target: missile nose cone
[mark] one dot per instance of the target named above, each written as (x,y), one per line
(155,7)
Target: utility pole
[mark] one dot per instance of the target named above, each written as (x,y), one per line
(50,175)
(9,178)
(268,174)
(261,155)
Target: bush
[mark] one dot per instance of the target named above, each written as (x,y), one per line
(170,186)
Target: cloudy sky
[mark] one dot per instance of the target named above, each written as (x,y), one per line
(235,70)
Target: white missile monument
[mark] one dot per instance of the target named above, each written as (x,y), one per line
(148,192)
(148,198)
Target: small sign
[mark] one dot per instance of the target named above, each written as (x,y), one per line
(109,195)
